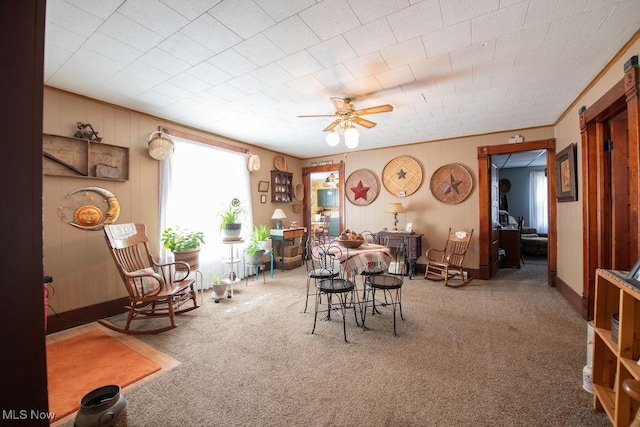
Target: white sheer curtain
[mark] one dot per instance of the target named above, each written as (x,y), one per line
(195,183)
(538,209)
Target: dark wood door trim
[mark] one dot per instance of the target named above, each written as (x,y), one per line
(484,196)
(595,185)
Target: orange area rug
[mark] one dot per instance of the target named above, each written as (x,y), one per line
(84,362)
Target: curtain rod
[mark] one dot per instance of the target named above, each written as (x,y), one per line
(202,139)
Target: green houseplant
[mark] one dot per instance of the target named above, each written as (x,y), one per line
(185,245)
(229,217)
(219,287)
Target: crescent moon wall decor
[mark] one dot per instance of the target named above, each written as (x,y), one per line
(93,207)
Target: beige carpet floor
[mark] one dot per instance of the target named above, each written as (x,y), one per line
(509,351)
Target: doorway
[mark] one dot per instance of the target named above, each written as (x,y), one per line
(324,195)
(610,130)
(488,193)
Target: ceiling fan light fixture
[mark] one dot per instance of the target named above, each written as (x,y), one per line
(333,139)
(351,137)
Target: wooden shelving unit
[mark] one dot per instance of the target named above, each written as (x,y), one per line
(614,362)
(281,187)
(81,158)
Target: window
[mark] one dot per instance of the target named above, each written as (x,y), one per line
(538,209)
(196,182)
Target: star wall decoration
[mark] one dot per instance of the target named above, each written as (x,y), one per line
(402,174)
(362,187)
(451,185)
(360,191)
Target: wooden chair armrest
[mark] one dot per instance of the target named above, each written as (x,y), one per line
(173,264)
(430,250)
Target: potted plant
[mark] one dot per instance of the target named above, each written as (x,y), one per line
(229,219)
(254,252)
(185,245)
(261,235)
(219,288)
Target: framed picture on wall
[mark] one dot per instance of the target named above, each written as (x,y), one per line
(566,178)
(263,198)
(263,186)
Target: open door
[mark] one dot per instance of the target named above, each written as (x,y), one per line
(488,195)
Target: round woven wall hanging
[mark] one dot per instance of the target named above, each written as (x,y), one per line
(362,187)
(402,176)
(451,183)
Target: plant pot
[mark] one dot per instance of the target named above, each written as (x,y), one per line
(190,257)
(102,406)
(256,257)
(219,291)
(232,231)
(266,245)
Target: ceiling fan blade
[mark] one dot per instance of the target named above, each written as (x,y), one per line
(318,115)
(341,104)
(331,126)
(363,122)
(375,110)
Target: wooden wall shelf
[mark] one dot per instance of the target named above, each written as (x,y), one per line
(81,158)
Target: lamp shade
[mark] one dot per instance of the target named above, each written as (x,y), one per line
(396,208)
(278,214)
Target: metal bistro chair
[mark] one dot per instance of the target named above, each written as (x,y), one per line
(370,237)
(151,294)
(390,284)
(320,265)
(335,287)
(448,265)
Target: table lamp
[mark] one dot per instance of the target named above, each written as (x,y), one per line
(278,215)
(395,209)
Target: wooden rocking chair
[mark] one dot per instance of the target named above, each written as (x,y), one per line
(446,264)
(152,290)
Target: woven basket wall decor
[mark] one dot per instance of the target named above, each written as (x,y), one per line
(402,176)
(362,187)
(451,183)
(160,145)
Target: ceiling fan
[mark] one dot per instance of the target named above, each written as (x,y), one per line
(347,114)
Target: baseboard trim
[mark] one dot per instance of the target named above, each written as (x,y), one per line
(80,316)
(572,297)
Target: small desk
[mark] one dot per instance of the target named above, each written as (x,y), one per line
(285,234)
(413,243)
(510,242)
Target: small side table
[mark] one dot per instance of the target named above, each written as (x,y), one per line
(413,243)
(285,234)
(232,264)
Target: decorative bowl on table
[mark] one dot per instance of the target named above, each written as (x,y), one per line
(350,239)
(351,244)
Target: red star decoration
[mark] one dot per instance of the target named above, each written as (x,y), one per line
(451,185)
(360,191)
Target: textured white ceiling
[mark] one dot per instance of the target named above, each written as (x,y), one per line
(246,68)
